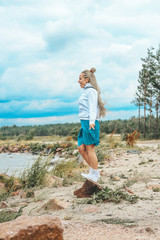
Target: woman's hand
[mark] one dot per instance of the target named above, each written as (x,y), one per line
(92,125)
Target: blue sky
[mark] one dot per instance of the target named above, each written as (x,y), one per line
(45,44)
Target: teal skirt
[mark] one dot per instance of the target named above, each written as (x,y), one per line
(87,136)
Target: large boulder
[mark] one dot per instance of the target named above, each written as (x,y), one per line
(52,180)
(32,228)
(88,189)
(55,204)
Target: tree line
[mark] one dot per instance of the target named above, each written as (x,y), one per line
(147,96)
(71,129)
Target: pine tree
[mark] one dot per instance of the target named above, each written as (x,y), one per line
(142,89)
(139,103)
(156,87)
(152,75)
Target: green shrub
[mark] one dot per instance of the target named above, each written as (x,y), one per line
(109,195)
(55,146)
(4,196)
(156,190)
(20,137)
(124,222)
(34,176)
(8,215)
(8,181)
(28,136)
(36,147)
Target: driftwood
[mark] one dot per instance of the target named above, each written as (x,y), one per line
(87,189)
(131,138)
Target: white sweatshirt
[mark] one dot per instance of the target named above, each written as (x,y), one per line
(88,104)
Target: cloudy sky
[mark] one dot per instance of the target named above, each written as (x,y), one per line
(45,44)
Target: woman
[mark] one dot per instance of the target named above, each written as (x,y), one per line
(91,108)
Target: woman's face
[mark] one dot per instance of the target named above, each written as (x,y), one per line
(82,80)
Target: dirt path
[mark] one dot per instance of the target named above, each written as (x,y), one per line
(102,231)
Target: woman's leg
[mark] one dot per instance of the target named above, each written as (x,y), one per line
(92,158)
(88,153)
(83,151)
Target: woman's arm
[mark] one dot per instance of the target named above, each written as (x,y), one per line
(92,102)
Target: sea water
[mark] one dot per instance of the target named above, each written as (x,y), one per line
(15,163)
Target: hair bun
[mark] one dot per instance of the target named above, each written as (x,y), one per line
(93,70)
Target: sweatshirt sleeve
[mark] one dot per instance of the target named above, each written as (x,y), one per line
(92,102)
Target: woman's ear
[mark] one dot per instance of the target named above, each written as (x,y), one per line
(88,80)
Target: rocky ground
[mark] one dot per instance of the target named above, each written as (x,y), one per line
(138,169)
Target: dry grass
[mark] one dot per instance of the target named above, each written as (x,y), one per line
(41,139)
(69,170)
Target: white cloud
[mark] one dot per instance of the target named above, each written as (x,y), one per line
(38,121)
(46,44)
(113,115)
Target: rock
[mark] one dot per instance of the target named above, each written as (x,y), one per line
(141,230)
(102,173)
(133,151)
(16,193)
(26,147)
(6,151)
(153,186)
(149,230)
(115,178)
(15,149)
(30,194)
(128,190)
(3,204)
(66,145)
(53,180)
(59,149)
(87,189)
(10,148)
(90,209)
(55,204)
(22,194)
(32,228)
(16,186)
(26,151)
(75,151)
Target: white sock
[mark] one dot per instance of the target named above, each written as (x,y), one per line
(95,171)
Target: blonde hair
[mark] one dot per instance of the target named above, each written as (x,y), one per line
(92,79)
